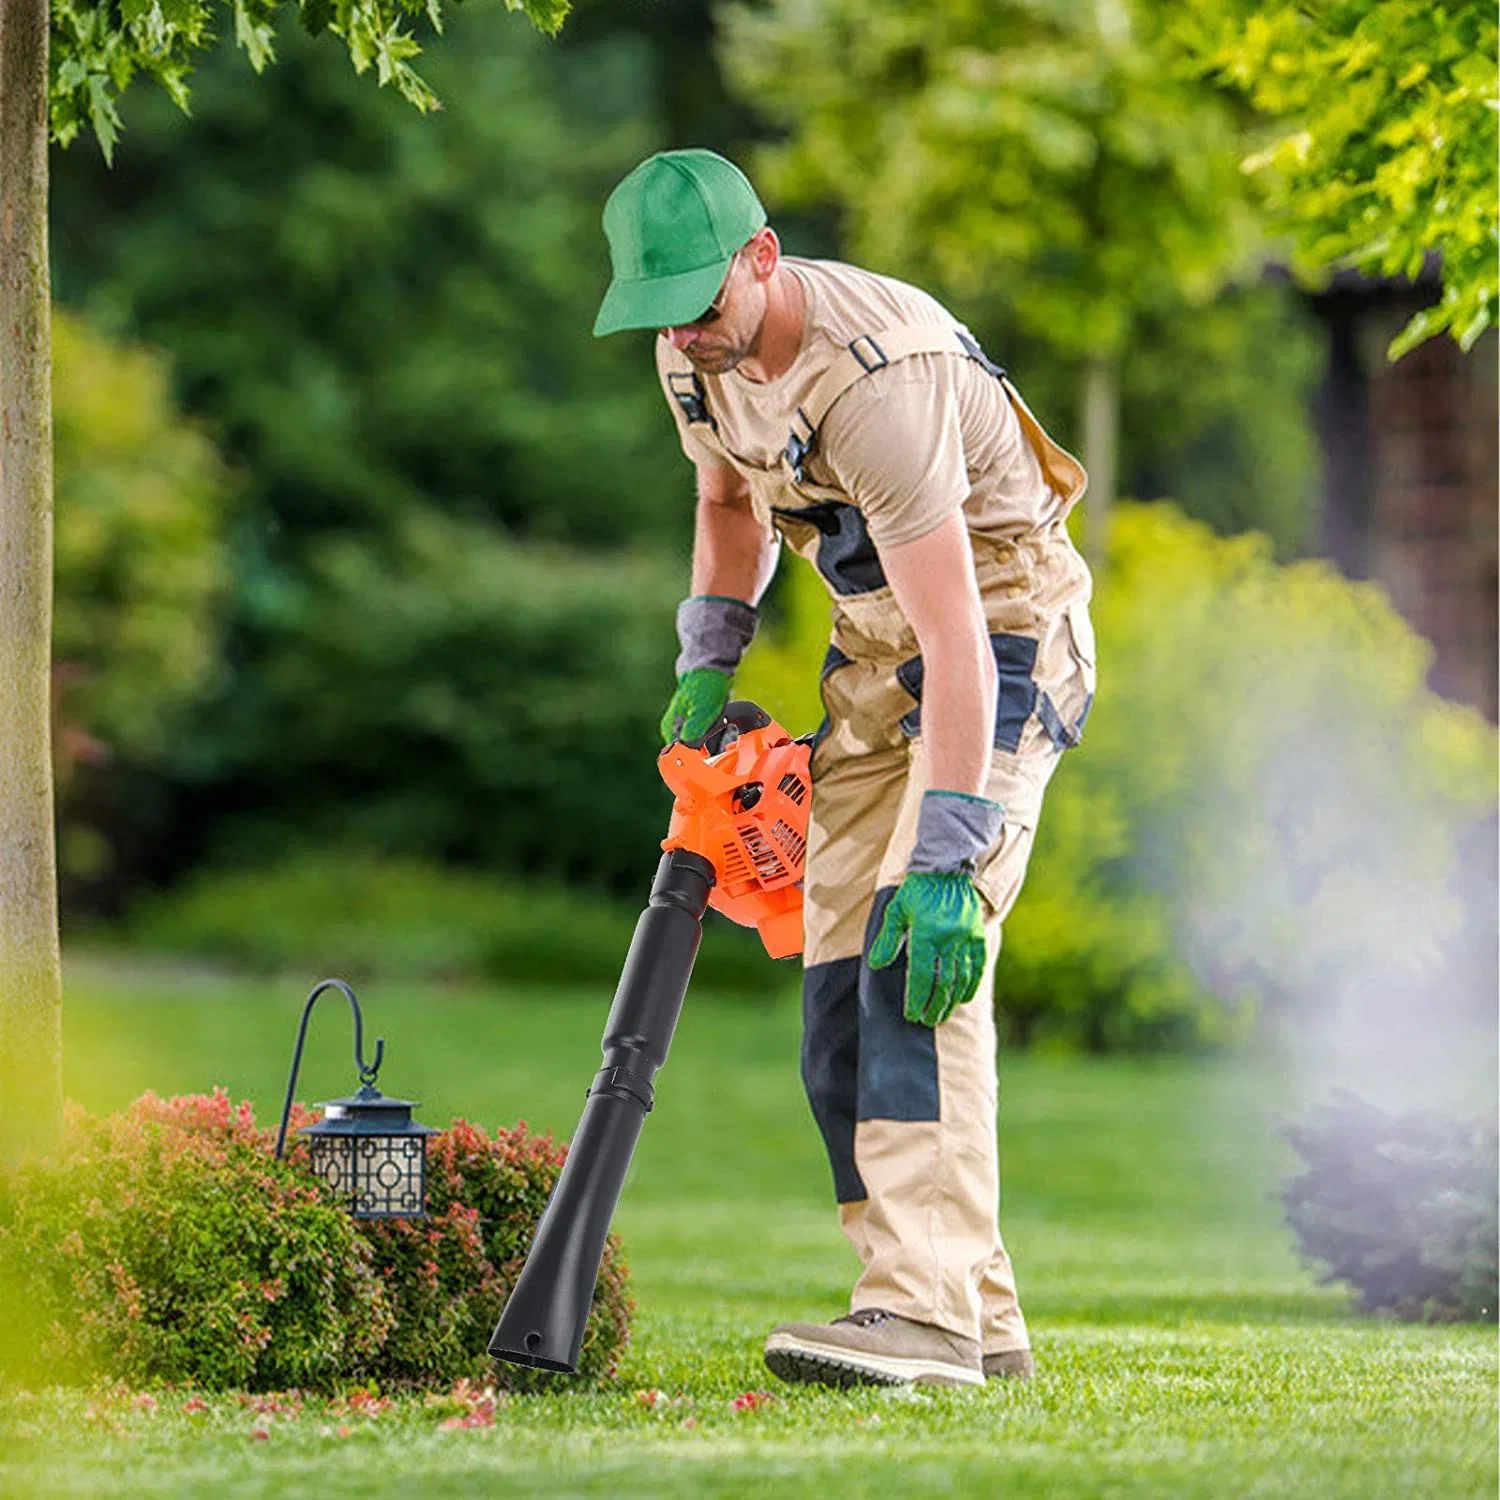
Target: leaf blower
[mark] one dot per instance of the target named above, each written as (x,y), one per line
(737,842)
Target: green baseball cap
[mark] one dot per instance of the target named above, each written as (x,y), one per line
(673,226)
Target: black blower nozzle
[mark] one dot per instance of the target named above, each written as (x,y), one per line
(543,1322)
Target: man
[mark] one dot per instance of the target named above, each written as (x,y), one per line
(853,417)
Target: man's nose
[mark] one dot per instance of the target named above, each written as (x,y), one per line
(682,337)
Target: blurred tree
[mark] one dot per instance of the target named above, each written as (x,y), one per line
(400,333)
(1037,160)
(1384,137)
(59,67)
(450,691)
(1216,407)
(141,568)
(400,305)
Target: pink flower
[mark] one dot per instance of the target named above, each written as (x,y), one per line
(483,1415)
(651,1399)
(259,1434)
(193,1407)
(144,1402)
(751,1400)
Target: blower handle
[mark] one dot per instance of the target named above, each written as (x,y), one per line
(742,717)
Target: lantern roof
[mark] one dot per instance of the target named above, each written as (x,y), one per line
(369,1112)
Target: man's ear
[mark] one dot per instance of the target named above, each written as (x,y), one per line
(765,253)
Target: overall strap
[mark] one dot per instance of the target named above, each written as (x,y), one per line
(863,356)
(874,351)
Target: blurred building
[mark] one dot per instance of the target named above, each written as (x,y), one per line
(1412,475)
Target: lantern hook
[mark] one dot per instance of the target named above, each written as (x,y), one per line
(367,1071)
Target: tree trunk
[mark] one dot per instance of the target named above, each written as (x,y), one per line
(30,962)
(1100,424)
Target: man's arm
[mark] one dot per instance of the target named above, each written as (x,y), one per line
(933,581)
(734,555)
(936,912)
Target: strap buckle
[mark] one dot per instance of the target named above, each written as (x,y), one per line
(876,360)
(687,392)
(799,445)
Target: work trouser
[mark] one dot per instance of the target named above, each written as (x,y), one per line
(908,1112)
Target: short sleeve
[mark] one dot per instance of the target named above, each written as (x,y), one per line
(697,438)
(893,442)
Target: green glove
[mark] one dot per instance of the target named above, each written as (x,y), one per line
(696,705)
(940,918)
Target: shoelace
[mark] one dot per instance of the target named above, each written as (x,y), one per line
(867,1317)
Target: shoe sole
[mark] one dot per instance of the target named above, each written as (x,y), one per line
(793,1360)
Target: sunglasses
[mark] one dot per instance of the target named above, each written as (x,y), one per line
(715,309)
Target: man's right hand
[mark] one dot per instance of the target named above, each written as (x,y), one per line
(696,706)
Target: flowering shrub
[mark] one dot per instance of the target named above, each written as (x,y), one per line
(167,1243)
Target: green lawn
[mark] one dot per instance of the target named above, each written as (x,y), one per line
(1182,1350)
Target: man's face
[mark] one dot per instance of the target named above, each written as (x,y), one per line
(729,329)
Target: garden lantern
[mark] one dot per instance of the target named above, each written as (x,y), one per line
(367,1147)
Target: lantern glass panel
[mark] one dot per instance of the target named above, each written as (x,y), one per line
(390,1175)
(332,1160)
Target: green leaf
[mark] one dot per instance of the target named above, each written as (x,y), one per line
(546,15)
(254,36)
(103,115)
(1423,326)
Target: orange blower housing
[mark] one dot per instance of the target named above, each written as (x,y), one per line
(742,803)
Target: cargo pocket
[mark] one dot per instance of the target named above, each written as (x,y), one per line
(1081,643)
(1064,709)
(1003,872)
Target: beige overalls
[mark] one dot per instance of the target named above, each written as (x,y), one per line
(908,1112)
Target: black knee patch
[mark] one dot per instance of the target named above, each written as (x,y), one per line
(898,1073)
(830,1064)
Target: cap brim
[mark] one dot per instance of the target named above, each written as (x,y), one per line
(662,302)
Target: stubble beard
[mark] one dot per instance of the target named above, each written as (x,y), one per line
(726,356)
(718,361)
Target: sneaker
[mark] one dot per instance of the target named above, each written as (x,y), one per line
(1013,1364)
(873,1347)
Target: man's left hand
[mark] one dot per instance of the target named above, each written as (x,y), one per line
(940,918)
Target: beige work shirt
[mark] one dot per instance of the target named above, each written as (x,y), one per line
(907,444)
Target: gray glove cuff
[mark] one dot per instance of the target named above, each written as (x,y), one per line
(714,632)
(953,831)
